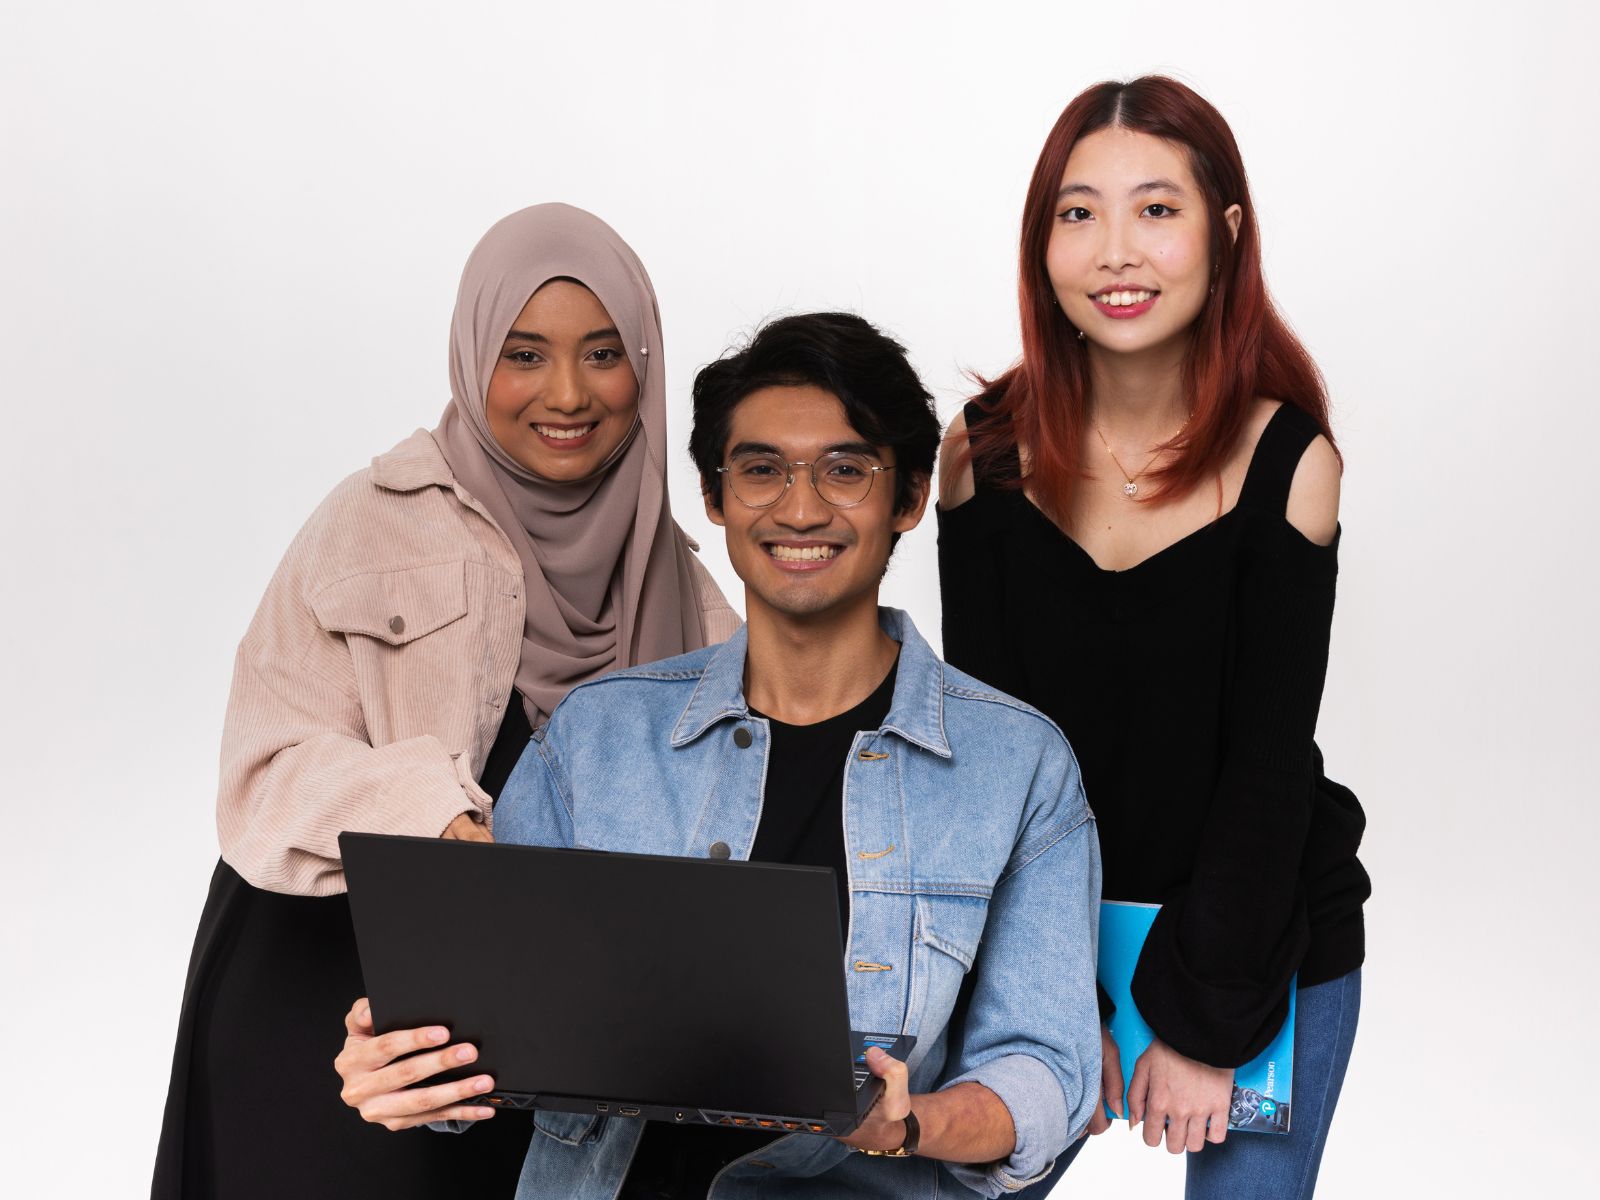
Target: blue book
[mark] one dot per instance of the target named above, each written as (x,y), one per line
(1261,1088)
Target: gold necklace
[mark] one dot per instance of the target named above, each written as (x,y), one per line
(1130,485)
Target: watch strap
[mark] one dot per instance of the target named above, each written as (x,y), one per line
(908,1147)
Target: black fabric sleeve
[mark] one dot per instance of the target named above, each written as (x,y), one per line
(1213,978)
(1108,1008)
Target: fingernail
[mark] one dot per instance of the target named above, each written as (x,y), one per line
(438,1033)
(465,1054)
(482,1114)
(482,1084)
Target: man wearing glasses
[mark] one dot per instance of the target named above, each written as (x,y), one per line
(826,732)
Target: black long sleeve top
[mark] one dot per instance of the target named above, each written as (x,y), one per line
(1188,685)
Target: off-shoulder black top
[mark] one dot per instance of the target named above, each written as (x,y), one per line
(1188,686)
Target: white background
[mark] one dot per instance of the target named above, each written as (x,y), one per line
(229,246)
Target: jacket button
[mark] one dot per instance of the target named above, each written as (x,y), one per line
(741,735)
(397,625)
(720,850)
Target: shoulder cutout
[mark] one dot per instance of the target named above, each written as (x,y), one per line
(1314,495)
(955,487)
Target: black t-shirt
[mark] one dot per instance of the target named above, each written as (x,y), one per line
(509,743)
(802,822)
(802,810)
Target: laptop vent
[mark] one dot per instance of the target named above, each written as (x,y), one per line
(764,1121)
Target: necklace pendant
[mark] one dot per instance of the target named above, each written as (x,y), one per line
(1130,488)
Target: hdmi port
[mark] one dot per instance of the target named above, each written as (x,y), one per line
(628,1111)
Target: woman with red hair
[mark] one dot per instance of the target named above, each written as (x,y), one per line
(1138,535)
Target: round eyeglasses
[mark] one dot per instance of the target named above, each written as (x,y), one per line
(842,478)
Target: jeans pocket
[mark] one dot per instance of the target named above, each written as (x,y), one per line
(570,1129)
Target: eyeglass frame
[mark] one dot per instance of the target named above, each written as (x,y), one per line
(872,475)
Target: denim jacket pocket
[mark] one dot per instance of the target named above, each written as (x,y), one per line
(395,607)
(570,1129)
(949,931)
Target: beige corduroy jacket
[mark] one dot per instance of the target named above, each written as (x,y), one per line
(373,679)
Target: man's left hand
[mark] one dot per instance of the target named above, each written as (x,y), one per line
(885,1126)
(1185,1099)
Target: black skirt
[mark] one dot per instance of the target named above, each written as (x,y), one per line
(253,1108)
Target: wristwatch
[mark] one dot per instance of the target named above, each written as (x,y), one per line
(907,1147)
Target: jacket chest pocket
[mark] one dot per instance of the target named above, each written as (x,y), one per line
(949,930)
(406,638)
(394,607)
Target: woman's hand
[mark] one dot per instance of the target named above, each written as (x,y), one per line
(1186,1099)
(380,1087)
(467,828)
(885,1126)
(1110,1082)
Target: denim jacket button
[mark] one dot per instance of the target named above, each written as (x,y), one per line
(742,738)
(720,850)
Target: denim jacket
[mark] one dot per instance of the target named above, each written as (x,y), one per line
(969,848)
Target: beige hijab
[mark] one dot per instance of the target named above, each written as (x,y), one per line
(609,579)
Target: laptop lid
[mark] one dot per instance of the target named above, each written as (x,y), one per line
(674,981)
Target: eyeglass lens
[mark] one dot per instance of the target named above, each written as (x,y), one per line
(840,478)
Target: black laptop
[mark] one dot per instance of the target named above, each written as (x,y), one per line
(678,989)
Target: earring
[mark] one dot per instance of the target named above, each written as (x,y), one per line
(1080,335)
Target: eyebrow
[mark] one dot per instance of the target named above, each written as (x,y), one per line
(863,448)
(1150,185)
(594,335)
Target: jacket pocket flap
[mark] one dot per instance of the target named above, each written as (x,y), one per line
(394,606)
(952,925)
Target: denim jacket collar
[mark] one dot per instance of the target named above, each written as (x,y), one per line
(916,713)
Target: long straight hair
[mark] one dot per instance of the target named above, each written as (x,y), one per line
(1239,347)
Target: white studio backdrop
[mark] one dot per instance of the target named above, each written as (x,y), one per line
(229,242)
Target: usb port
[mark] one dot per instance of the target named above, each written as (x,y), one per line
(628,1111)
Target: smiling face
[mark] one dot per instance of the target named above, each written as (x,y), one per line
(562,396)
(1129,254)
(800,556)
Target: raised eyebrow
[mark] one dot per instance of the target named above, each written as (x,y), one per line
(594,335)
(1157,185)
(753,448)
(1151,185)
(865,449)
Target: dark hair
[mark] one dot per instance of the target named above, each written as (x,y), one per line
(864,367)
(1239,349)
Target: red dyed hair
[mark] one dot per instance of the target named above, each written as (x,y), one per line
(1240,348)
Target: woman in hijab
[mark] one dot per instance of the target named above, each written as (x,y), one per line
(429,616)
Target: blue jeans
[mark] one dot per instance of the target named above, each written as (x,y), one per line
(1262,1165)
